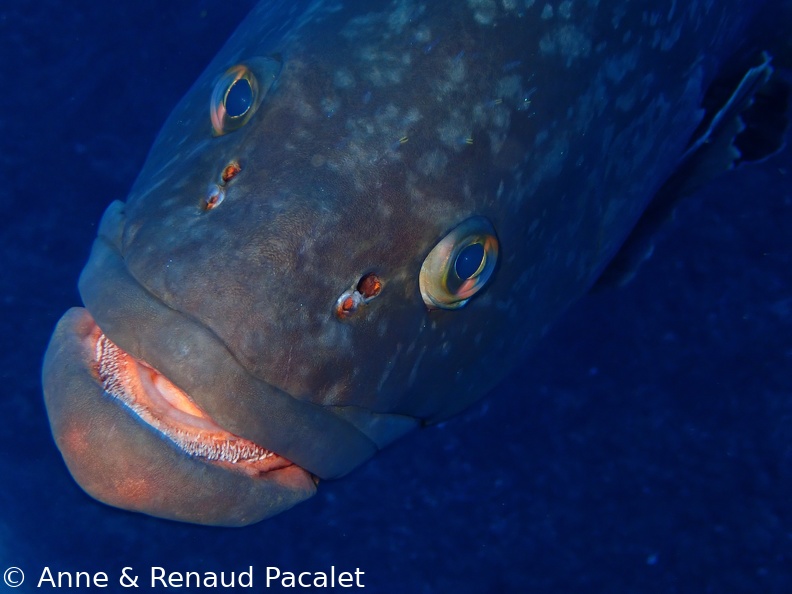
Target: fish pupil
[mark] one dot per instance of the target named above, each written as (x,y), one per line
(239,98)
(469,260)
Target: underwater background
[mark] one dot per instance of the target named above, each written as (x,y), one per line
(645,446)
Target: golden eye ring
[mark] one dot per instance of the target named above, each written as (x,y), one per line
(460,265)
(238,93)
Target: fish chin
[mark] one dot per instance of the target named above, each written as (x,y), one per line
(134,440)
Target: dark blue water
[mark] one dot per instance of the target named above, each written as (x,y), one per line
(645,447)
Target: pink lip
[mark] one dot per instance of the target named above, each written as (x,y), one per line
(162,405)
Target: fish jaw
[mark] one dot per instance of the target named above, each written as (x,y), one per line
(122,458)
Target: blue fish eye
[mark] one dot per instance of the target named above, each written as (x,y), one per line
(239,91)
(469,261)
(460,265)
(238,98)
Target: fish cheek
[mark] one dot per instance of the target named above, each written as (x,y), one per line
(118,461)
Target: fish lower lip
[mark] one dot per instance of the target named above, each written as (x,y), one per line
(158,403)
(124,460)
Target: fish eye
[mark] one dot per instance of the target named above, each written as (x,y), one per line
(238,98)
(239,92)
(470,260)
(460,265)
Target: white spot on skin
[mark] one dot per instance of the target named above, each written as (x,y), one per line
(343,79)
(423,34)
(433,163)
(509,87)
(547,12)
(330,105)
(567,41)
(484,11)
(373,138)
(454,131)
(456,71)
(497,121)
(400,17)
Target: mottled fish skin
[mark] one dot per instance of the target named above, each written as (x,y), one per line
(388,124)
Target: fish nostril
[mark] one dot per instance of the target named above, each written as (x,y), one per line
(213,197)
(348,304)
(369,286)
(216,193)
(230,172)
(359,294)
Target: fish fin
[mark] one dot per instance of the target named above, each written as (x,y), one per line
(744,125)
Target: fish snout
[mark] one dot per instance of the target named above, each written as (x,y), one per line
(122,461)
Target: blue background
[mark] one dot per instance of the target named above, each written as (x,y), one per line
(646,446)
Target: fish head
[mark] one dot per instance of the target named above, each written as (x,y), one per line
(304,271)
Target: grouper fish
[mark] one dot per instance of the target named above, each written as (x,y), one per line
(362,215)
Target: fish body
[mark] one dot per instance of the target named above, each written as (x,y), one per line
(357,220)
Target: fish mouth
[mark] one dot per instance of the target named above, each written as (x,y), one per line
(132,439)
(167,409)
